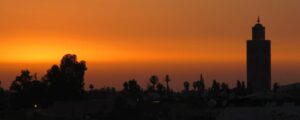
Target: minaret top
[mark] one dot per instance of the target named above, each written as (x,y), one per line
(258,31)
(258,24)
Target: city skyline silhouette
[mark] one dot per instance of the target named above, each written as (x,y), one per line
(149,60)
(180,38)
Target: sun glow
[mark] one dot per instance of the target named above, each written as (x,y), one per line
(47,50)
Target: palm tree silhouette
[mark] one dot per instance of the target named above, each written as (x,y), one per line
(154,81)
(167,79)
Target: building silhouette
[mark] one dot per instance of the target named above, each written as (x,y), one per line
(258,60)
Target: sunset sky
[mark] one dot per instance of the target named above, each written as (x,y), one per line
(125,39)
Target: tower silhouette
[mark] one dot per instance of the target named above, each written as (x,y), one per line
(258,60)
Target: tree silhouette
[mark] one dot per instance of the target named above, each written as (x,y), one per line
(167,79)
(202,84)
(21,82)
(160,88)
(154,81)
(224,89)
(132,88)
(125,86)
(215,88)
(199,85)
(186,86)
(73,73)
(66,81)
(55,83)
(27,91)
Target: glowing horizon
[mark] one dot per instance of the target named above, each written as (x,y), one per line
(30,50)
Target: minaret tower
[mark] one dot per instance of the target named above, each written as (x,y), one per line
(258,60)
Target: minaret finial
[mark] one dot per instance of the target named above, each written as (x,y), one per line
(258,19)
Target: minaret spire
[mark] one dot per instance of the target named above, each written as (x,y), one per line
(258,20)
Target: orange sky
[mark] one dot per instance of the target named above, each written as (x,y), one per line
(184,34)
